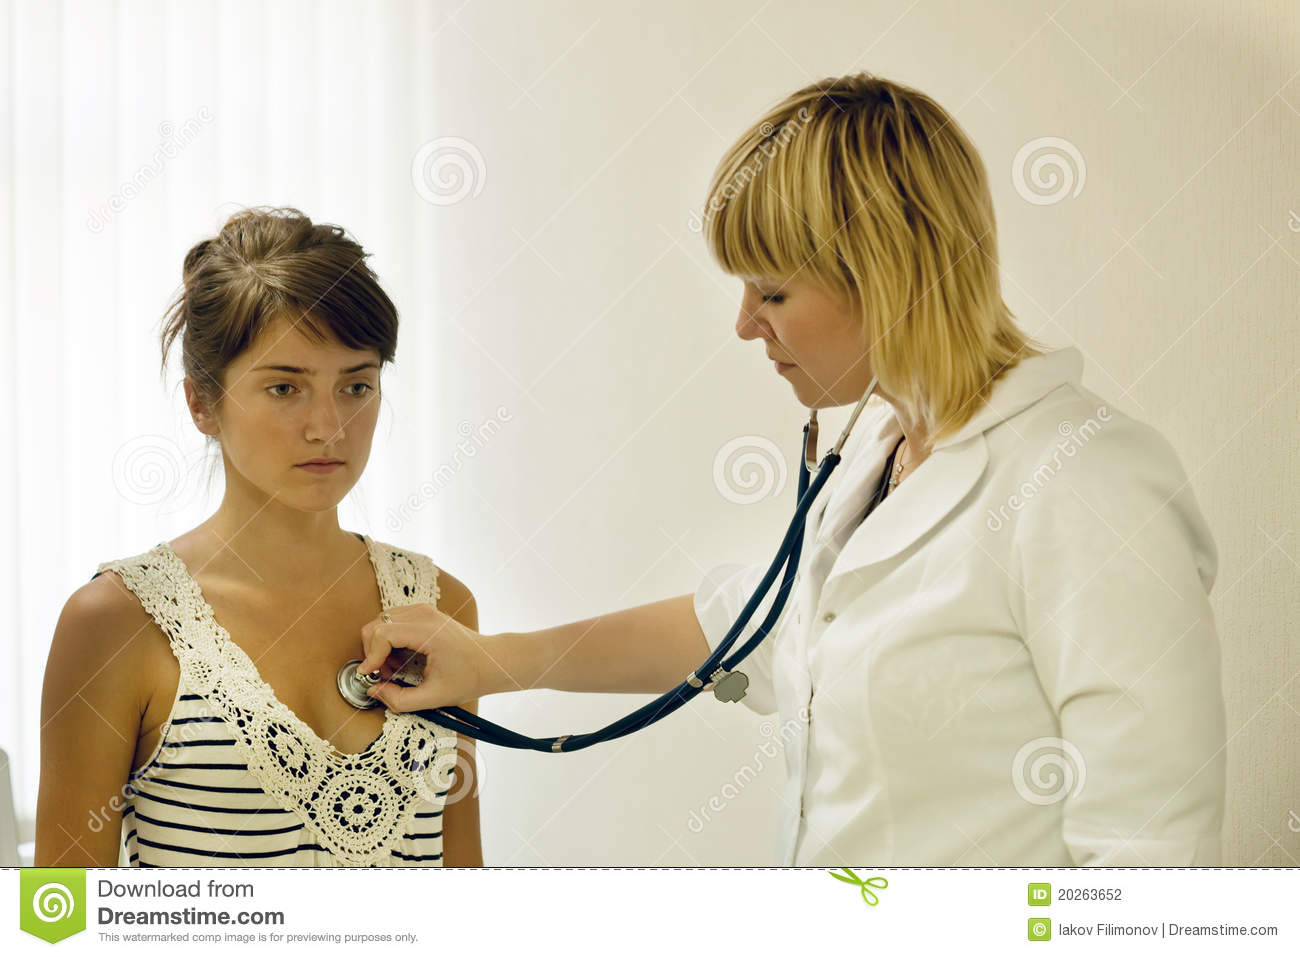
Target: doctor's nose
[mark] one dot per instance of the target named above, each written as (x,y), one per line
(748,325)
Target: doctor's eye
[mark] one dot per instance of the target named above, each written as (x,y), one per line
(776,299)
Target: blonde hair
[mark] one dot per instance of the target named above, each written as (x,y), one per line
(872,190)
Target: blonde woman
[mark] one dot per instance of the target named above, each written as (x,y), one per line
(1000,649)
(189,712)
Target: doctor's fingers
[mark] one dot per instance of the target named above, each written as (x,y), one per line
(429,693)
(380,641)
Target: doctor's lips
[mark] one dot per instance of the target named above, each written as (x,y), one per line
(320,466)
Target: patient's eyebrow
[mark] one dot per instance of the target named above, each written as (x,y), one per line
(299,370)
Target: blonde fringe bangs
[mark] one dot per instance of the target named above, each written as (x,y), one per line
(871,190)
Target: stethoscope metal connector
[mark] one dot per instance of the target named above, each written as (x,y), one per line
(725,685)
(353,687)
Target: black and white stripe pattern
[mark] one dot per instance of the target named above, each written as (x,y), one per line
(197,803)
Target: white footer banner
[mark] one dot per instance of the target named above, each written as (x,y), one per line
(645,910)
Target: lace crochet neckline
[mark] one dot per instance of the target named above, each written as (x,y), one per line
(227,647)
(359,805)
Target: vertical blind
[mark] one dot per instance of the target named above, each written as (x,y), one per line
(128,132)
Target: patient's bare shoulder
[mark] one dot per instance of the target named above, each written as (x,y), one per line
(104,633)
(455,599)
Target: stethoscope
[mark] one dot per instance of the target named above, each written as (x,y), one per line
(726,683)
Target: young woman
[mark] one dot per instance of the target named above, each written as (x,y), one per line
(189,708)
(1000,648)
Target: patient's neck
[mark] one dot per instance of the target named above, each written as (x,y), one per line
(259,541)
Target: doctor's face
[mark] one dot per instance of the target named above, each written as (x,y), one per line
(812,334)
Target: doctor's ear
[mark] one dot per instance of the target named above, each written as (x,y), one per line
(201,409)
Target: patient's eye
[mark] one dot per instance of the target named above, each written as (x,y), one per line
(281,385)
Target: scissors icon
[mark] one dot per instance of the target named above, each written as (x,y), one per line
(868,894)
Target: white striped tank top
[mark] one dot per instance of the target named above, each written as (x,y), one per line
(238,779)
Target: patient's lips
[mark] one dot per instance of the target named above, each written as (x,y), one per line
(320,466)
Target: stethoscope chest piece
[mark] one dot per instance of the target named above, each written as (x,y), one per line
(353,686)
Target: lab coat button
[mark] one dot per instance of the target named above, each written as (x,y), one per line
(830,617)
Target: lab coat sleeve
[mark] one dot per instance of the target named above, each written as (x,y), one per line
(722,594)
(1115,563)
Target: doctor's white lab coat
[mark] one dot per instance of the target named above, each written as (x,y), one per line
(1012,661)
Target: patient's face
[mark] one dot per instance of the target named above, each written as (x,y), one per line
(274,419)
(806,326)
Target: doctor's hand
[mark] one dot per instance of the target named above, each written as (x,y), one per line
(456,662)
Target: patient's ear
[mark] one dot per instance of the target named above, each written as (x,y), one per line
(204,418)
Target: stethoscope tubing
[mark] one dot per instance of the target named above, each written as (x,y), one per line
(475,726)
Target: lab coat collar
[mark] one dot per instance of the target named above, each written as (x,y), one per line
(951,470)
(1020,387)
